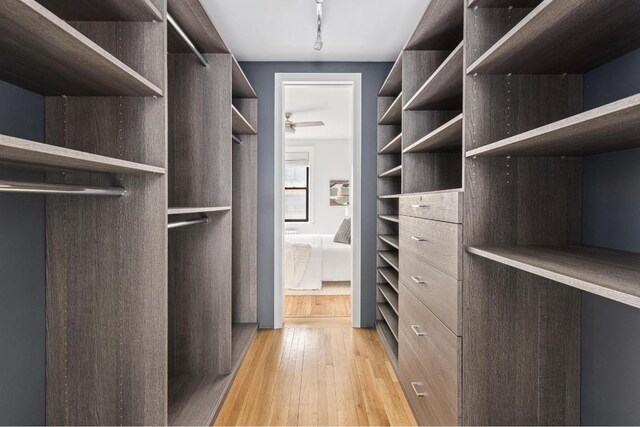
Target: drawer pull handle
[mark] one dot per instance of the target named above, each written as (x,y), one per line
(419,206)
(418,239)
(419,280)
(414,386)
(417,332)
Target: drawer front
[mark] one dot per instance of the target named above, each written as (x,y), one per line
(439,292)
(435,242)
(428,362)
(446,206)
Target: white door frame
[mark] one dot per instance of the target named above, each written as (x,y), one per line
(281,79)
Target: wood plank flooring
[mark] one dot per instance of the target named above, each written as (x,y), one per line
(317,306)
(316,372)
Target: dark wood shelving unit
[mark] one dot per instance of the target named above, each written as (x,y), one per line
(446,138)
(186,211)
(390,275)
(393,147)
(240,125)
(394,114)
(390,294)
(391,257)
(390,317)
(104,10)
(391,173)
(392,85)
(392,218)
(390,239)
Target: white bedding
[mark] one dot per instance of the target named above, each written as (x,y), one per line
(328,261)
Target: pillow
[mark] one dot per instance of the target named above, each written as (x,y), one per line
(344,232)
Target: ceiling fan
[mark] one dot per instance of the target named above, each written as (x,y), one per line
(290,126)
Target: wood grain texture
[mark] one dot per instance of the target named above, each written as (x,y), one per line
(316,372)
(195,21)
(44,54)
(393,115)
(104,10)
(239,124)
(185,211)
(390,295)
(392,218)
(317,306)
(107,285)
(393,147)
(390,276)
(391,257)
(389,343)
(544,42)
(446,138)
(240,84)
(614,126)
(245,214)
(50,156)
(440,206)
(389,316)
(393,83)
(440,26)
(439,292)
(443,89)
(394,172)
(503,3)
(431,360)
(200,149)
(390,239)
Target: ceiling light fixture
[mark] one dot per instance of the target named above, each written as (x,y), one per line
(318,44)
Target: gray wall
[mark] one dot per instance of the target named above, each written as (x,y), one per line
(22,273)
(262,76)
(611,218)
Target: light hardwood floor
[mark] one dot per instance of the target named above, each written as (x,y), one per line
(317,306)
(316,372)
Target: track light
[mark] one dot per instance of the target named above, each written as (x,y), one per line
(318,44)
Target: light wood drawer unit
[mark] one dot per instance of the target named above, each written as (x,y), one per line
(443,206)
(435,242)
(428,362)
(436,290)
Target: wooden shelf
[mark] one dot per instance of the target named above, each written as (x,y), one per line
(614,126)
(389,342)
(446,138)
(391,257)
(50,156)
(195,21)
(611,274)
(392,218)
(440,27)
(390,196)
(390,317)
(503,3)
(393,115)
(546,41)
(44,54)
(184,211)
(390,239)
(393,172)
(390,294)
(240,86)
(196,399)
(443,89)
(392,85)
(393,147)
(104,10)
(390,275)
(240,125)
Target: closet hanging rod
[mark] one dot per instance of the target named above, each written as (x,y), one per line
(187,40)
(236,138)
(178,224)
(46,188)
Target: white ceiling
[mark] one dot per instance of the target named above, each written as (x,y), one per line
(285,30)
(330,104)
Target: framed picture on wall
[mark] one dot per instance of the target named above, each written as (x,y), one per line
(339,192)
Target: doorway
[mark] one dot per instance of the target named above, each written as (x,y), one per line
(317,196)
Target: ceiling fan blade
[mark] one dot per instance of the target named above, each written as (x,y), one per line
(308,124)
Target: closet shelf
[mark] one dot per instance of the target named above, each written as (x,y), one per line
(240,125)
(393,172)
(440,27)
(50,156)
(390,196)
(611,274)
(390,239)
(104,10)
(388,341)
(390,295)
(240,86)
(392,218)
(44,54)
(184,211)
(390,275)
(391,257)
(393,115)
(443,89)
(546,41)
(613,126)
(393,147)
(390,317)
(446,138)
(502,3)
(195,21)
(393,83)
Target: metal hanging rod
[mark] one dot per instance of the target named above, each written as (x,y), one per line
(236,138)
(178,224)
(187,40)
(45,188)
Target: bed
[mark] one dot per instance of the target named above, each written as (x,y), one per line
(311,259)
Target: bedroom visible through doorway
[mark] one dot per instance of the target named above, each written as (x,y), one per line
(317,197)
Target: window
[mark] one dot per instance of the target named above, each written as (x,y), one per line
(296,187)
